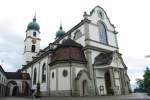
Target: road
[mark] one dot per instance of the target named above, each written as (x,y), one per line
(136,96)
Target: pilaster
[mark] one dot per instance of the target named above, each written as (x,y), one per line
(111,70)
(90,70)
(73,75)
(123,81)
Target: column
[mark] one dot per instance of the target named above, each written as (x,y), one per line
(123,81)
(111,70)
(90,70)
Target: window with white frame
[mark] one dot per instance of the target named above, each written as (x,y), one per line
(77,34)
(44,73)
(102,33)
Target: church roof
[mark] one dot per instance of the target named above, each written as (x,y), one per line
(69,50)
(33,25)
(60,32)
(2,70)
(17,75)
(69,42)
(103,58)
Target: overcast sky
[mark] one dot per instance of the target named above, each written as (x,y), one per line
(130,17)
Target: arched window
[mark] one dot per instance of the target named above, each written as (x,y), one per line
(34,78)
(102,33)
(44,73)
(33,48)
(77,34)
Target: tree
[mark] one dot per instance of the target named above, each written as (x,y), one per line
(144,84)
(146,78)
(140,83)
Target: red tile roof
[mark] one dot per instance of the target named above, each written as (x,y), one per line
(68,50)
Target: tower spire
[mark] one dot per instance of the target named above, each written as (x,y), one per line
(34,19)
(60,26)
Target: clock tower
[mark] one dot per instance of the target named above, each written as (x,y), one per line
(32,41)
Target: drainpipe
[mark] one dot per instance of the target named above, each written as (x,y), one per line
(70,77)
(70,72)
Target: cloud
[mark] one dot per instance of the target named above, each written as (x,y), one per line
(136,67)
(11,45)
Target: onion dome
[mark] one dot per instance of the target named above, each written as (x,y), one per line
(60,32)
(33,25)
(69,50)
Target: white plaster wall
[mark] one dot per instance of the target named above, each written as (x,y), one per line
(99,72)
(81,40)
(94,54)
(77,70)
(28,56)
(102,46)
(111,39)
(53,80)
(94,32)
(63,82)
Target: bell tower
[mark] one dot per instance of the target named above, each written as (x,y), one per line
(32,41)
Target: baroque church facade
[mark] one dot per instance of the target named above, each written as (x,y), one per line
(85,61)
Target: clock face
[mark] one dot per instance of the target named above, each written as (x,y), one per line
(34,41)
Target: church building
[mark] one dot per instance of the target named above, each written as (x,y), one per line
(85,61)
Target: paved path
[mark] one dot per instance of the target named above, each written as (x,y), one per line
(137,96)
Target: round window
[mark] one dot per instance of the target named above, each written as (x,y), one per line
(65,73)
(52,74)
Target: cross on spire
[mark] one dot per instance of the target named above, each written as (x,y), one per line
(34,19)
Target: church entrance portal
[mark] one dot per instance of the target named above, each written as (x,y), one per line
(15,91)
(108,82)
(85,88)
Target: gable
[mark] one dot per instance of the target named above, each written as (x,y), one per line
(98,14)
(117,61)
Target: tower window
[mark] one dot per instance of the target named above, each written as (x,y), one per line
(34,33)
(33,48)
